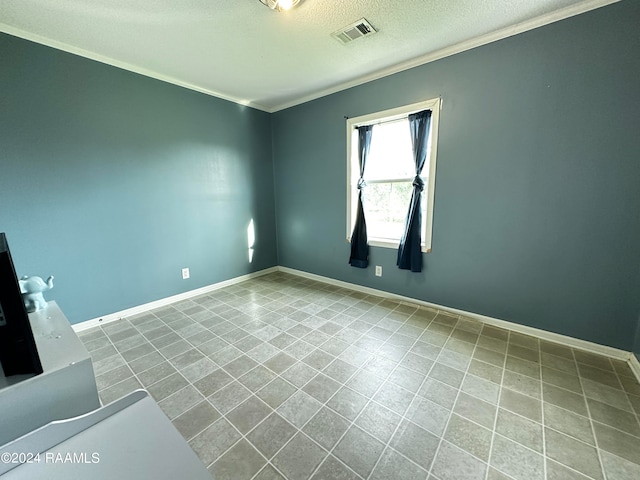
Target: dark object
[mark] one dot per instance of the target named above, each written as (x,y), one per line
(359,243)
(409,252)
(18,351)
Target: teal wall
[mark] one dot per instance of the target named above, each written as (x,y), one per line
(537,199)
(113,181)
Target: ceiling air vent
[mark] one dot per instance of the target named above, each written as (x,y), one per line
(358,29)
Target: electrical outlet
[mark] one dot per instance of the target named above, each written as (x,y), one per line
(185,273)
(378,271)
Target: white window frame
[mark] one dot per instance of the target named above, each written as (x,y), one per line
(434,104)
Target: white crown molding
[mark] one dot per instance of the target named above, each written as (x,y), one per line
(514,327)
(16,32)
(522,27)
(510,31)
(163,302)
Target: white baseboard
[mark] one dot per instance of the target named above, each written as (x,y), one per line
(634,363)
(584,345)
(514,327)
(112,317)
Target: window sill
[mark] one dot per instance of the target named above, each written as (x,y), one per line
(386,243)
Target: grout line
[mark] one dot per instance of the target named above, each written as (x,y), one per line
(207,426)
(593,430)
(495,421)
(356,372)
(371,399)
(417,394)
(542,418)
(520,329)
(295,288)
(243,436)
(298,430)
(244,353)
(451,413)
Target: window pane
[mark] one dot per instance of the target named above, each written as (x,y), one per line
(389,173)
(386,206)
(390,155)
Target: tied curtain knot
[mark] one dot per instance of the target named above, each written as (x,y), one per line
(359,246)
(418,183)
(409,251)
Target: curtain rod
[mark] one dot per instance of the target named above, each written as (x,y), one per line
(382,122)
(392,120)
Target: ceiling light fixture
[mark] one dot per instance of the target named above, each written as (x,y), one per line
(280,5)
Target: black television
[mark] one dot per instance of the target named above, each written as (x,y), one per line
(18,351)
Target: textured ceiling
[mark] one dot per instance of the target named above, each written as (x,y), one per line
(242,51)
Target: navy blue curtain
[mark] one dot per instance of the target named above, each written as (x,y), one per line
(359,245)
(409,252)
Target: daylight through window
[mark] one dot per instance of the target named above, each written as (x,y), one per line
(389,173)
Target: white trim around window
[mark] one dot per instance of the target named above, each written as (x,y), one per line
(429,192)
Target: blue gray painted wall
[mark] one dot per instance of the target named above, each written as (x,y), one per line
(113,181)
(536,203)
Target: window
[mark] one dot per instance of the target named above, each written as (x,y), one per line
(389,174)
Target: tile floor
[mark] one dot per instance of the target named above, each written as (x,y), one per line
(281,377)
